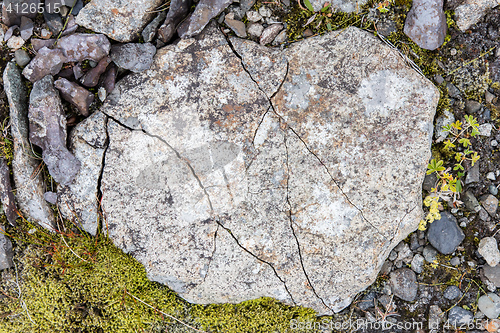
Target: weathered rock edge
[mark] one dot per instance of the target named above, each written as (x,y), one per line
(232,174)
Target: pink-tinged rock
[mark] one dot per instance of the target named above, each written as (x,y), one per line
(39,43)
(80,97)
(110,79)
(204,12)
(426,24)
(79,47)
(91,78)
(6,195)
(270,33)
(47,125)
(46,62)
(177,12)
(136,57)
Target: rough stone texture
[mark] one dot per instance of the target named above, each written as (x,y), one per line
(22,57)
(459,316)
(121,20)
(26,28)
(47,126)
(426,23)
(270,33)
(136,57)
(28,182)
(492,274)
(149,32)
(6,194)
(6,253)
(444,234)
(490,203)
(237,26)
(404,284)
(80,97)
(78,200)
(343,5)
(205,10)
(79,47)
(452,292)
(91,78)
(225,197)
(471,11)
(177,11)
(46,62)
(488,248)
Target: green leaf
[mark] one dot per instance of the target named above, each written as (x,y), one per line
(329,26)
(308,5)
(458,185)
(435,166)
(324,9)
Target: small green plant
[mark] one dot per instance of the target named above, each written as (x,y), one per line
(383,6)
(449,184)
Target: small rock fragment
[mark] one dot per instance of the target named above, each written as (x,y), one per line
(436,317)
(135,57)
(459,316)
(493,189)
(417,263)
(22,57)
(46,34)
(177,12)
(6,194)
(490,176)
(149,32)
(48,131)
(205,11)
(50,197)
(26,28)
(15,43)
(255,29)
(490,204)
(492,274)
(79,47)
(485,129)
(444,234)
(46,62)
(404,284)
(472,107)
(426,23)
(446,118)
(489,305)
(110,78)
(237,26)
(253,16)
(101,93)
(270,33)
(452,292)
(6,253)
(471,11)
(28,182)
(429,253)
(91,78)
(71,26)
(8,34)
(54,22)
(281,38)
(472,174)
(488,248)
(40,43)
(265,12)
(80,97)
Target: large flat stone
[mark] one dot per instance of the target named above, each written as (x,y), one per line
(230,184)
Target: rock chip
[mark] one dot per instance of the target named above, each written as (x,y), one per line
(492,274)
(472,107)
(253,16)
(342,5)
(120,20)
(485,129)
(237,26)
(91,78)
(50,197)
(177,11)
(6,194)
(136,57)
(488,248)
(6,253)
(78,200)
(468,197)
(79,47)
(255,29)
(80,97)
(46,62)
(270,33)
(436,317)
(429,253)
(426,23)
(417,263)
(197,157)
(28,182)
(471,11)
(47,126)
(40,43)
(149,32)
(489,305)
(22,57)
(205,11)
(26,28)
(54,22)
(459,316)
(445,234)
(404,284)
(452,292)
(110,78)
(490,204)
(446,118)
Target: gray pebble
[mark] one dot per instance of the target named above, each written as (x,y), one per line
(472,174)
(490,176)
(455,261)
(459,316)
(452,292)
(430,253)
(472,107)
(404,284)
(253,16)
(494,143)
(445,234)
(265,12)
(50,197)
(417,263)
(22,57)
(493,189)
(255,29)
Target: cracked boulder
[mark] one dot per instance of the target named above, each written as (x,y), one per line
(233,175)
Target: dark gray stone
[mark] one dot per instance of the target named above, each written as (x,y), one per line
(429,253)
(417,263)
(22,57)
(368,301)
(6,253)
(490,204)
(493,189)
(177,12)
(110,78)
(430,182)
(205,11)
(404,284)
(149,32)
(48,131)
(91,78)
(459,316)
(136,57)
(444,234)
(46,62)
(471,202)
(472,107)
(452,292)
(54,22)
(426,23)
(492,274)
(80,97)
(6,194)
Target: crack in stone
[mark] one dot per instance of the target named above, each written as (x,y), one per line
(216,218)
(213,254)
(290,216)
(401,221)
(100,211)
